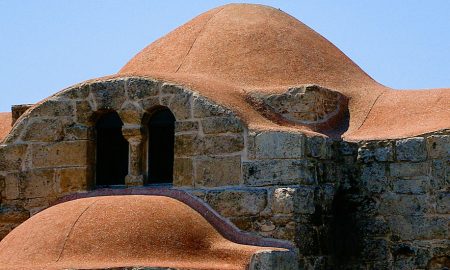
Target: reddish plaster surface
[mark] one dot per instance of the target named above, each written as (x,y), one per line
(235,49)
(5,124)
(119,231)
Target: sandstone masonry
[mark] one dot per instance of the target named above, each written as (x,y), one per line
(365,205)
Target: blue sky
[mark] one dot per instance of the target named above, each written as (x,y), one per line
(48,45)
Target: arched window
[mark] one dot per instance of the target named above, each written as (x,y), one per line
(112,151)
(161,133)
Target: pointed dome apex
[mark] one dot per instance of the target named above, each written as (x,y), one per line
(251,46)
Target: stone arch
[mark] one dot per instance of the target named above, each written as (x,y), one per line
(58,159)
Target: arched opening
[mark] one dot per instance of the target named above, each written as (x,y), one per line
(112,151)
(161,136)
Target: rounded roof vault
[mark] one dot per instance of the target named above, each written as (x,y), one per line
(234,50)
(234,53)
(121,231)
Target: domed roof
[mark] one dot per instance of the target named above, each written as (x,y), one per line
(119,231)
(5,124)
(235,50)
(252,46)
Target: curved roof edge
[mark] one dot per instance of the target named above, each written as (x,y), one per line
(227,229)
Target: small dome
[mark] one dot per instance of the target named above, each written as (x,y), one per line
(252,46)
(119,231)
(235,52)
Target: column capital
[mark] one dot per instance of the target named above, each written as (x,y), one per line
(132,132)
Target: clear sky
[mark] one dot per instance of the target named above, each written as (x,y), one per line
(48,45)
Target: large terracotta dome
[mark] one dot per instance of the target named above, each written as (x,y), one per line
(232,51)
(121,231)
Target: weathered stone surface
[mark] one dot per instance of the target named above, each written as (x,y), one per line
(70,153)
(269,145)
(216,125)
(378,150)
(438,146)
(221,144)
(180,105)
(12,187)
(78,132)
(12,156)
(138,89)
(37,183)
(35,205)
(401,204)
(13,214)
(186,126)
(411,186)
(293,200)
(276,260)
(218,171)
(77,92)
(319,147)
(347,148)
(192,144)
(278,172)
(11,217)
(172,89)
(50,130)
(183,172)
(72,180)
(237,202)
(283,200)
(412,227)
(308,104)
(150,103)
(411,149)
(374,250)
(131,113)
(328,172)
(374,226)
(373,177)
(443,203)
(109,95)
(84,112)
(385,153)
(409,169)
(18,110)
(53,108)
(204,108)
(187,145)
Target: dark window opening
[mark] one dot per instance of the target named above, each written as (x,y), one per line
(112,151)
(161,133)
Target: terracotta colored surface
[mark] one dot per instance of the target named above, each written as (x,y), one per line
(5,124)
(239,48)
(118,231)
(222,225)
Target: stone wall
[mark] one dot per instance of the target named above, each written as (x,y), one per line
(366,205)
(395,212)
(289,182)
(50,151)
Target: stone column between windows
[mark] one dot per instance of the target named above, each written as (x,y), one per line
(133,134)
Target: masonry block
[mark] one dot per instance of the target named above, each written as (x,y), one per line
(411,149)
(279,172)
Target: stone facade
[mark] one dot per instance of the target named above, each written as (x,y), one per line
(365,205)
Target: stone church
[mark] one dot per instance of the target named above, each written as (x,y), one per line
(261,125)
